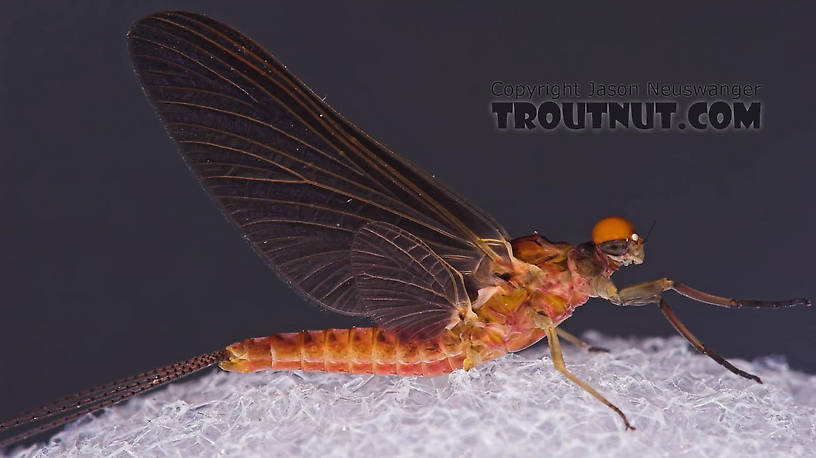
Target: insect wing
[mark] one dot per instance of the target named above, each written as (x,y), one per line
(290,172)
(404,286)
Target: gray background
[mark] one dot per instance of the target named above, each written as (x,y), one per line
(113,260)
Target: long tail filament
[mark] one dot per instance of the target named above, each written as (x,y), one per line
(66,409)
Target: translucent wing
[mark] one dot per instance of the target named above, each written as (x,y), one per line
(290,172)
(403,285)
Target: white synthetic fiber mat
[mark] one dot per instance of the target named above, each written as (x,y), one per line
(682,404)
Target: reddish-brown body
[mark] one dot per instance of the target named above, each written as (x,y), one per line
(359,231)
(355,350)
(546,280)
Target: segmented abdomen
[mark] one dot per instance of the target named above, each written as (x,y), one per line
(356,350)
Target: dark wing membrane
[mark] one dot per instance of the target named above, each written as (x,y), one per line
(404,286)
(290,172)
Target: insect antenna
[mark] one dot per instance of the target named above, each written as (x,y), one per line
(68,408)
(649,233)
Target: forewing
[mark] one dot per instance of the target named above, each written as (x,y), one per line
(290,172)
(403,285)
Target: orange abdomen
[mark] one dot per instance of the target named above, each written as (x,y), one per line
(355,350)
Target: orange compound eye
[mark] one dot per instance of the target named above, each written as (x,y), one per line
(612,228)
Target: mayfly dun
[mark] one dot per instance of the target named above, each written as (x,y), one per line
(359,231)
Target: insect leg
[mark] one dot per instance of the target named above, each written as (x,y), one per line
(558,362)
(643,293)
(706,298)
(578,342)
(683,330)
(650,293)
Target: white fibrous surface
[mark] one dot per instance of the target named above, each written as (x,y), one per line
(682,404)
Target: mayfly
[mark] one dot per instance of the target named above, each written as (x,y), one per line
(360,231)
